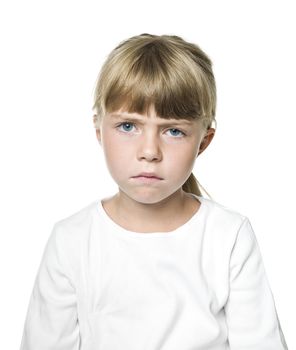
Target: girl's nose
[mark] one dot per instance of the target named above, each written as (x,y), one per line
(149,148)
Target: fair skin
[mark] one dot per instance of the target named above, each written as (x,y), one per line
(147,145)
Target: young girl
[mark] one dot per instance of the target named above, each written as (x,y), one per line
(155,266)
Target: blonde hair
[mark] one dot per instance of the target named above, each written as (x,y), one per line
(164,71)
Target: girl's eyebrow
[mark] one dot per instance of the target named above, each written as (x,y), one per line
(140,120)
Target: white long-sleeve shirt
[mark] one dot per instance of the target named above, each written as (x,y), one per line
(202,286)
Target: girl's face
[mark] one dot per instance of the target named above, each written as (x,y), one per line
(134,143)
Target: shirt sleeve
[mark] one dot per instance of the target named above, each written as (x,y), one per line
(51,321)
(250,311)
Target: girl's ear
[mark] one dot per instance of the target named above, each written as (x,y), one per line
(98,133)
(98,130)
(206,140)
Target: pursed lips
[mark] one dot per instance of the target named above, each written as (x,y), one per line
(149,175)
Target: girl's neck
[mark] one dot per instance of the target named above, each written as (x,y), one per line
(164,216)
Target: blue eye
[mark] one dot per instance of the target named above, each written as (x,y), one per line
(178,131)
(124,124)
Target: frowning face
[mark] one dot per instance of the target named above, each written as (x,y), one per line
(134,143)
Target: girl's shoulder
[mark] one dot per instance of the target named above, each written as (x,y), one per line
(220,214)
(76,225)
(79,216)
(223,225)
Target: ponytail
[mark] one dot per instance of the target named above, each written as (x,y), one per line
(193,186)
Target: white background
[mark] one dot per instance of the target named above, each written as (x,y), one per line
(52,164)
